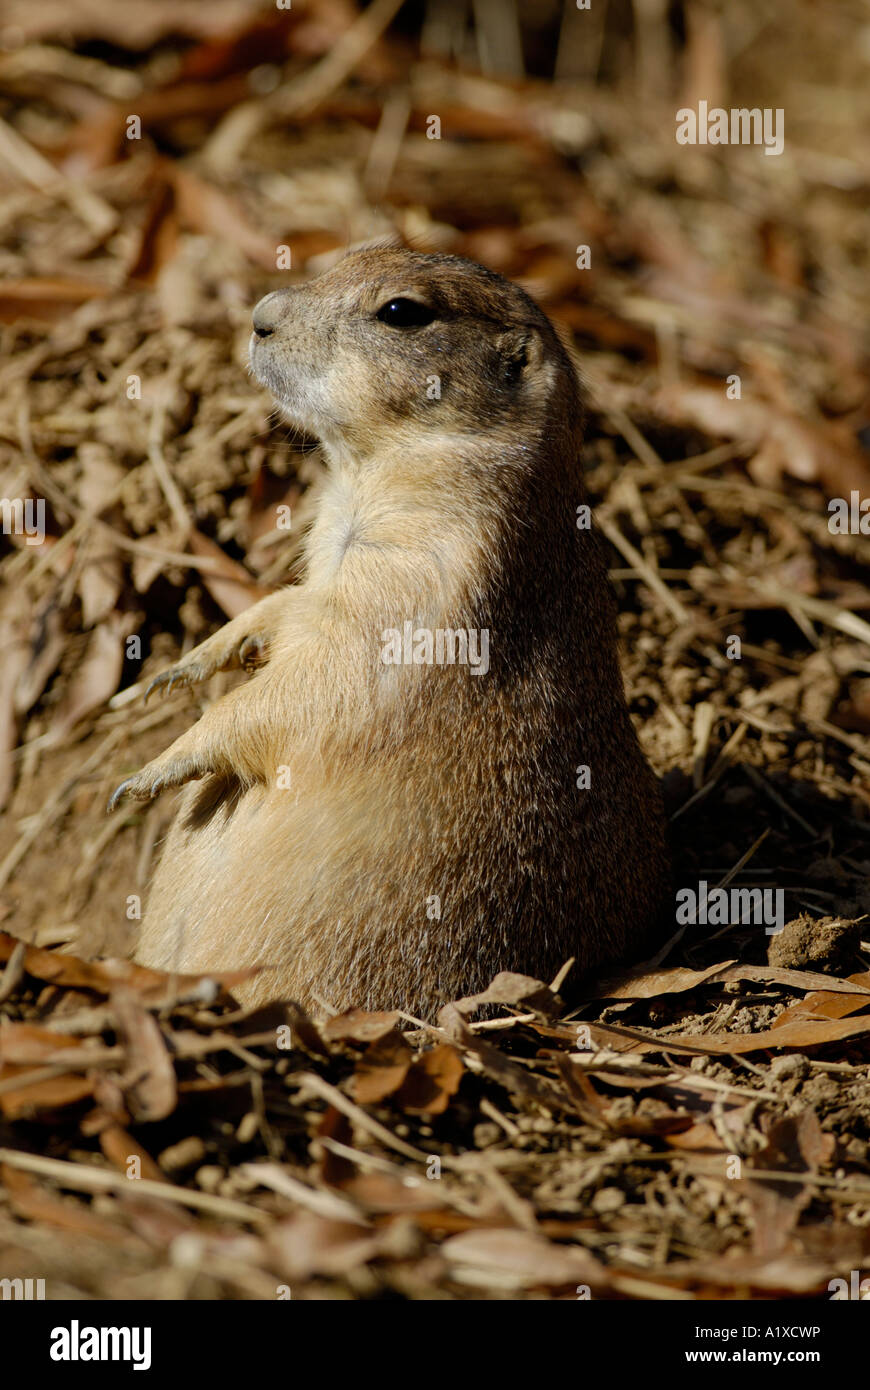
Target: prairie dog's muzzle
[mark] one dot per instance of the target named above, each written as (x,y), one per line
(270,312)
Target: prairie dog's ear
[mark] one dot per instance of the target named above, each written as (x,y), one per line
(520,353)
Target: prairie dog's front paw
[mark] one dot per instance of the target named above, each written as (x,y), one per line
(227,738)
(242,642)
(157,776)
(205,660)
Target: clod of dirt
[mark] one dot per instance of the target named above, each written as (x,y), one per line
(789,1067)
(827,943)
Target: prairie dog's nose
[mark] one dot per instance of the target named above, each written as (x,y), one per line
(269,313)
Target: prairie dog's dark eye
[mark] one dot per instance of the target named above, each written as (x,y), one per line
(405,313)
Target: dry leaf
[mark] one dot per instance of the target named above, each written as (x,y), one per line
(47,299)
(509,988)
(232,588)
(16,656)
(97,679)
(649,985)
(27,1043)
(519,1259)
(825,1003)
(382,1069)
(149,1075)
(309,1244)
(35,1099)
(357,1025)
(33,1202)
(795,1142)
(800,1034)
(47,643)
(119,1147)
(153,986)
(431,1081)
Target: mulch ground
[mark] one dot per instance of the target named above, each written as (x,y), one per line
(698,1125)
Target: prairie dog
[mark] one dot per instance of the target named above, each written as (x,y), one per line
(378,825)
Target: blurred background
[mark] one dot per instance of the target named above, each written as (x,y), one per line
(164,164)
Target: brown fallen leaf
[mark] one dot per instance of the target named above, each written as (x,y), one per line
(263,38)
(382,1192)
(382,1069)
(309,1244)
(510,988)
(46,298)
(650,984)
(422,1086)
(148,1082)
(676,981)
(358,1025)
(203,207)
(98,677)
(158,233)
(36,1203)
(20,1098)
(523,1260)
(700,1137)
(800,1034)
(823,451)
(824,1003)
(26,1043)
(775,1214)
(155,987)
(430,1081)
(232,588)
(334,1169)
(796,1142)
(304,1030)
(47,643)
(800,979)
(503,1069)
(16,657)
(119,1146)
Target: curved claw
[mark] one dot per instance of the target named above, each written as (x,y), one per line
(252,651)
(118,795)
(249,653)
(165,681)
(132,787)
(150,782)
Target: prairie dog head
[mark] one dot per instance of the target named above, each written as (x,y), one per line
(392,349)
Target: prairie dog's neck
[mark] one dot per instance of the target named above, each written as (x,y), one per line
(415,533)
